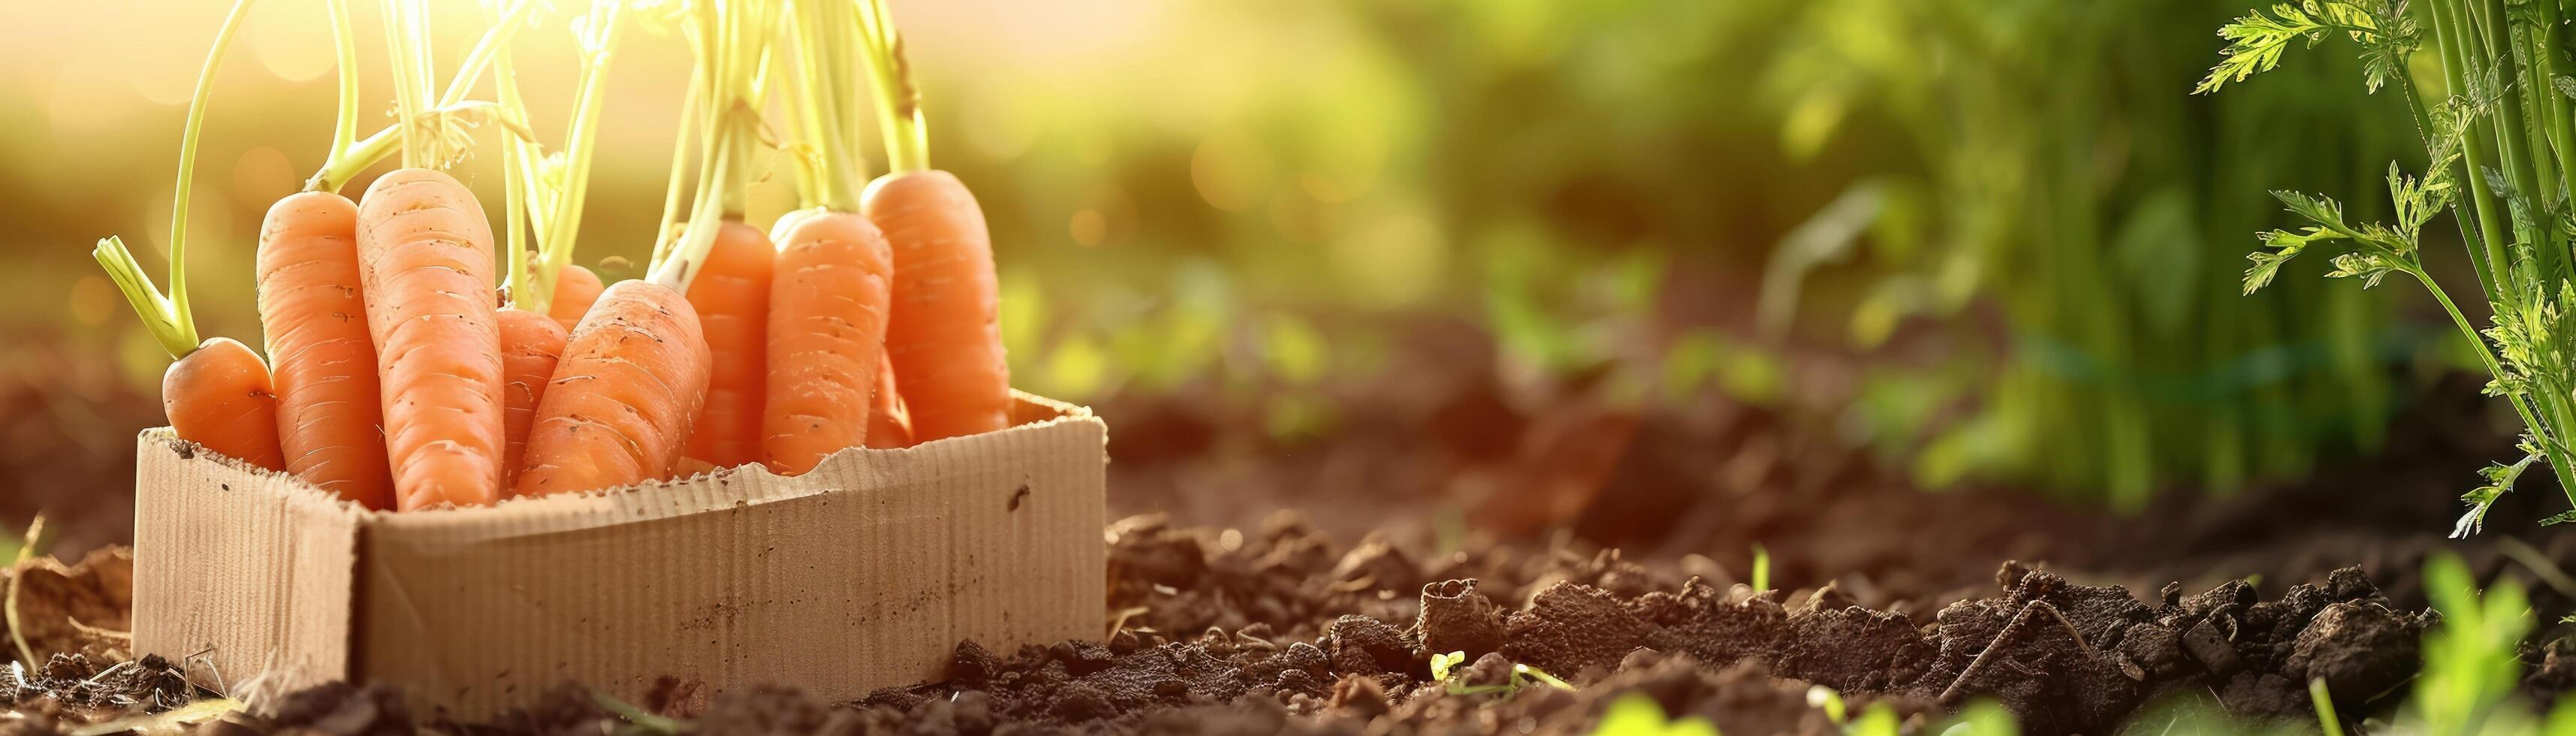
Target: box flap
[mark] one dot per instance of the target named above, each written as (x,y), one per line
(247,567)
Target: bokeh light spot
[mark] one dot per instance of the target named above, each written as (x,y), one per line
(1088,227)
(291,39)
(1232,171)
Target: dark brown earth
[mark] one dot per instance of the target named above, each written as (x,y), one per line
(1286,631)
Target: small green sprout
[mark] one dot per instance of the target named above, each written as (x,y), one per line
(1878,720)
(1444,665)
(1984,718)
(1524,674)
(1826,699)
(2326,719)
(1635,714)
(640,722)
(1444,669)
(1761,568)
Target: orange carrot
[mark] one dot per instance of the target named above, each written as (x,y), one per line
(889,423)
(619,409)
(328,410)
(944,334)
(219,396)
(827,322)
(531,343)
(426,260)
(575,289)
(731,295)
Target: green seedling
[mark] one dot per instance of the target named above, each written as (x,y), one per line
(1444,665)
(2326,718)
(1828,700)
(1984,718)
(1635,714)
(28,547)
(639,722)
(1761,568)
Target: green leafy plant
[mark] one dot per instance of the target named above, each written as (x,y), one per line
(2499,147)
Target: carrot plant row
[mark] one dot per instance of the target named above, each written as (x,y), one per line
(2496,113)
(414,362)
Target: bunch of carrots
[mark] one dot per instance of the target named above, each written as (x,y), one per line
(412,362)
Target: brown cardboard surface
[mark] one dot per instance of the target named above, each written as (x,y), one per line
(862,574)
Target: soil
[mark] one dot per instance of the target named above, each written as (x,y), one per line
(1287,631)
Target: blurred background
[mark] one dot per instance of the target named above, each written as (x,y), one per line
(1520,265)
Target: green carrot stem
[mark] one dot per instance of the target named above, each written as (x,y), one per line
(564,224)
(898,101)
(384,143)
(2450,28)
(344,42)
(177,337)
(2559,457)
(180,313)
(518,180)
(821,106)
(485,49)
(2424,136)
(733,52)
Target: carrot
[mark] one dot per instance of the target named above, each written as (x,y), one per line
(531,344)
(627,393)
(425,255)
(219,397)
(827,320)
(310,303)
(619,409)
(944,334)
(732,298)
(889,423)
(575,289)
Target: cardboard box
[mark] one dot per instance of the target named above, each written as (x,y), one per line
(862,574)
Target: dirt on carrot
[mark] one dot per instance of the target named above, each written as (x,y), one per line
(426,254)
(620,409)
(313,311)
(827,323)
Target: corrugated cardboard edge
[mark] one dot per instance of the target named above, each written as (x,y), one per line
(862,574)
(274,602)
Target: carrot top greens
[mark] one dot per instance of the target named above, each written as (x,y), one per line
(823,105)
(546,191)
(427,131)
(2498,125)
(168,317)
(731,45)
(898,101)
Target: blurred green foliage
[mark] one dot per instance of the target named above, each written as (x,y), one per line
(2054,174)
